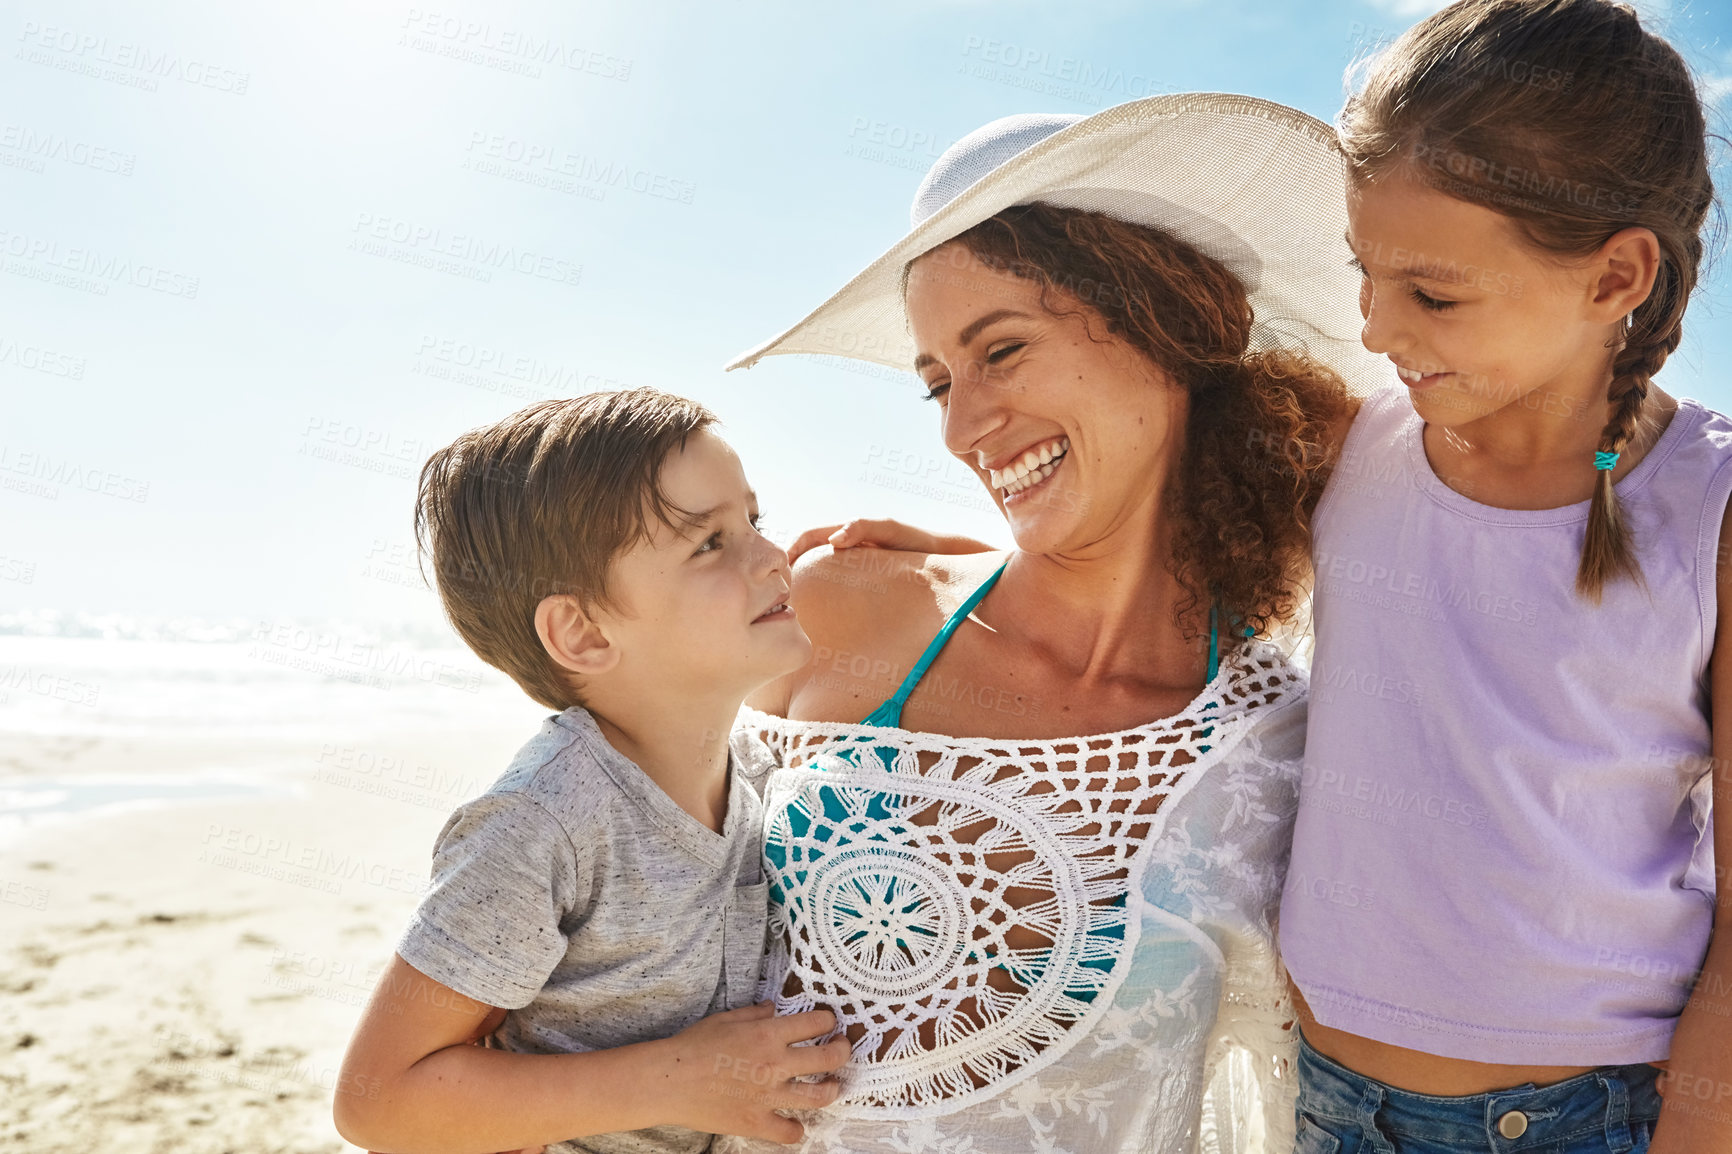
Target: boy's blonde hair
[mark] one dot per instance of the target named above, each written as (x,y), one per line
(540,504)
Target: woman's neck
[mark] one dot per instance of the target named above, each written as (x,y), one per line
(1105,612)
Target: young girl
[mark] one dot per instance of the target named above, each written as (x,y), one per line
(1502,893)
(1502,874)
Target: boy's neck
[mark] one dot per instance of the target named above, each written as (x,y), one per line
(682,746)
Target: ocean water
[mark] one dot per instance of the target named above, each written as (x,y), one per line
(70,680)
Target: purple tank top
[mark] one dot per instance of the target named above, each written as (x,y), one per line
(1503,850)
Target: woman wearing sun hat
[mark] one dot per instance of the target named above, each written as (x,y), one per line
(1028,845)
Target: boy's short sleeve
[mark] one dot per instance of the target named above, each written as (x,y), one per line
(507,882)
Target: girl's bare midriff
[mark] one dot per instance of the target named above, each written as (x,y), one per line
(1415,1070)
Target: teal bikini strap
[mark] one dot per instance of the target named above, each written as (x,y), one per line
(889,714)
(1215,638)
(1214,643)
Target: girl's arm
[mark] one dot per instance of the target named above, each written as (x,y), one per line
(884,534)
(1697,1115)
(409,1083)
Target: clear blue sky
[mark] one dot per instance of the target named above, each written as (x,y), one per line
(246,281)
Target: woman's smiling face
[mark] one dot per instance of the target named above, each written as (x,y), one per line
(1072,430)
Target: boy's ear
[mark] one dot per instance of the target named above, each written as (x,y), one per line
(1626,268)
(572,637)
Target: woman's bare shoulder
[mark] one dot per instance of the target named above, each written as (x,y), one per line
(867,586)
(868,597)
(839,578)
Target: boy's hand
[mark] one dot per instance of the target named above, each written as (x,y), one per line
(882,533)
(731,1072)
(410,1084)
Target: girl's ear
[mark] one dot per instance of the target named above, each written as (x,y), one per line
(1624,271)
(575,640)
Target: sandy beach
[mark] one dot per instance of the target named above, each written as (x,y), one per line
(181,972)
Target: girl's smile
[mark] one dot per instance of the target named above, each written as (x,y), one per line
(1418,378)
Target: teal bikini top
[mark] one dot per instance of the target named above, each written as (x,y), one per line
(888,715)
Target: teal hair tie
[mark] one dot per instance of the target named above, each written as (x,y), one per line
(1605,462)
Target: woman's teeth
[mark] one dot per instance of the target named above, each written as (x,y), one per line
(1411,376)
(1036,465)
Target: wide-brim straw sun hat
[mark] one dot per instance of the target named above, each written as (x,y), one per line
(1256,185)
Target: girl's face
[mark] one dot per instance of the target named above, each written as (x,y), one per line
(1071,429)
(1474,318)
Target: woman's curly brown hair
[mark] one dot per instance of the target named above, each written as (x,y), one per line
(1259,444)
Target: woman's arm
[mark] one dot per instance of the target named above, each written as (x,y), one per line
(1697,1115)
(409,1083)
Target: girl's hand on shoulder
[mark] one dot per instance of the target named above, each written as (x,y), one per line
(882,533)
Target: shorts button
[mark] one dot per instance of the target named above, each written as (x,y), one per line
(1513,1124)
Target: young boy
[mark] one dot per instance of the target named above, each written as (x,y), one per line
(606,890)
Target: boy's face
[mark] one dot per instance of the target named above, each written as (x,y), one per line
(698,612)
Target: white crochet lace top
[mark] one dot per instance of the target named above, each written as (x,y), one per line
(1044,945)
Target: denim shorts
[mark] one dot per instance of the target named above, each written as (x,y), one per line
(1611,1110)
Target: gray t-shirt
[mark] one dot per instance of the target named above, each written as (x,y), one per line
(578,895)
